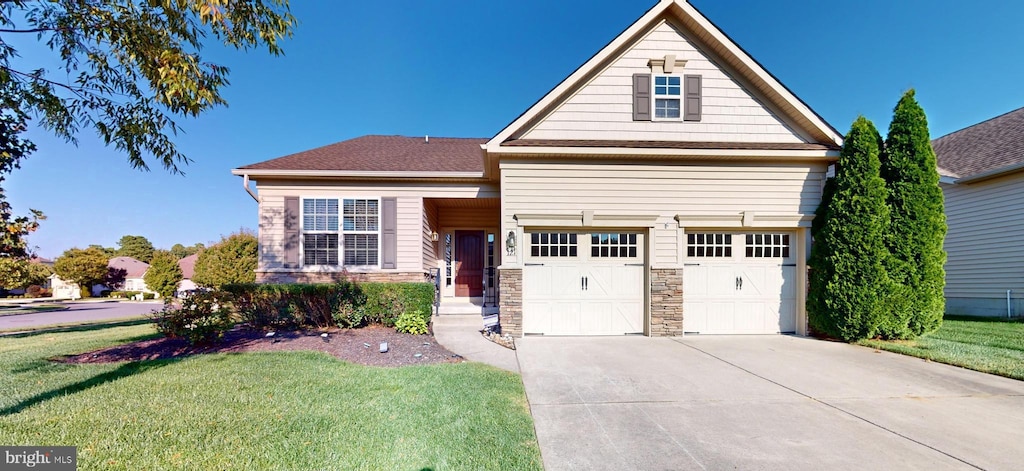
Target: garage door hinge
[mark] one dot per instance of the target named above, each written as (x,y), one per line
(534,264)
(691,264)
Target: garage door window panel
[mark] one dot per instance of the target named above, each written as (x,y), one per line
(621,245)
(709,245)
(554,244)
(767,245)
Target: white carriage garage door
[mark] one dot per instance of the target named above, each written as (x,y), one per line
(739,283)
(583,283)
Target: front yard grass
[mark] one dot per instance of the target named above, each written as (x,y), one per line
(281,410)
(984,344)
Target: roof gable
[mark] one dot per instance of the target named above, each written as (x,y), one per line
(596,98)
(983,148)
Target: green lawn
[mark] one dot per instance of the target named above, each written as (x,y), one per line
(985,344)
(290,410)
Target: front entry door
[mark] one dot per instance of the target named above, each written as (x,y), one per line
(469,264)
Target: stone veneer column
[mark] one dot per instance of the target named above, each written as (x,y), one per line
(666,302)
(510,306)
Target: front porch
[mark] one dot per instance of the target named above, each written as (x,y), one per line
(463,248)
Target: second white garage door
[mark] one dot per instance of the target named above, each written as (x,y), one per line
(583,283)
(739,283)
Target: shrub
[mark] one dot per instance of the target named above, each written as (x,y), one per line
(411,322)
(106,293)
(385,300)
(289,305)
(202,318)
(918,221)
(849,283)
(345,304)
(34,291)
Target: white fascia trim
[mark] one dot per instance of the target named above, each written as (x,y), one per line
(623,151)
(761,73)
(585,219)
(990,174)
(352,174)
(737,220)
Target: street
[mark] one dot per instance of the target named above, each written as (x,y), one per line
(79,312)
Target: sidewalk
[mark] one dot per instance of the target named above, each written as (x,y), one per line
(461,335)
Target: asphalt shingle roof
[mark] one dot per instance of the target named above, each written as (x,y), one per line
(386,153)
(986,146)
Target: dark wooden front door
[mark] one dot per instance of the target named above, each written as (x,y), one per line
(469,263)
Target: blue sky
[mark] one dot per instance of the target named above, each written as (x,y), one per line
(466,69)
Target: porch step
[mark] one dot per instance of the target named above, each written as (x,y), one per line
(465,308)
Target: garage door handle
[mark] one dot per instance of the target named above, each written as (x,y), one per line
(584,283)
(740,278)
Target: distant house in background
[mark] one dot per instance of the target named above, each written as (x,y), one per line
(134,269)
(188,270)
(982,169)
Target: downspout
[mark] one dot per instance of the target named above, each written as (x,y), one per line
(1009,311)
(245,183)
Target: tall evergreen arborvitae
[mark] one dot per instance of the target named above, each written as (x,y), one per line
(849,283)
(917,217)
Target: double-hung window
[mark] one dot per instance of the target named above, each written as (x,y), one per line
(667,96)
(336,232)
(361,230)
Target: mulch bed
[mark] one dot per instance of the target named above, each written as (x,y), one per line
(346,344)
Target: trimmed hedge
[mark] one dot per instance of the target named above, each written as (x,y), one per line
(346,304)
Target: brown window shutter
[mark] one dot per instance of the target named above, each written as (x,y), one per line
(291,232)
(389,232)
(641,97)
(691,98)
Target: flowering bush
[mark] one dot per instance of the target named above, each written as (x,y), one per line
(202,318)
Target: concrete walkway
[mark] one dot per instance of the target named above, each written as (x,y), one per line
(460,333)
(763,402)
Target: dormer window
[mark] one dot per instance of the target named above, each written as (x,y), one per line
(667,96)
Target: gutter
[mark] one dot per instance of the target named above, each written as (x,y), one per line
(245,183)
(245,173)
(991,174)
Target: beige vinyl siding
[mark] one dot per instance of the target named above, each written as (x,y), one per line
(271,232)
(663,189)
(410,234)
(603,109)
(410,254)
(430,225)
(985,242)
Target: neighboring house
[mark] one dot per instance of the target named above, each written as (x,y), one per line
(666,186)
(134,269)
(982,170)
(188,270)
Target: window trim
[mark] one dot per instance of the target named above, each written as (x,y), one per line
(655,97)
(340,232)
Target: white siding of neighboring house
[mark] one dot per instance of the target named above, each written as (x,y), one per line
(664,189)
(985,246)
(603,108)
(410,214)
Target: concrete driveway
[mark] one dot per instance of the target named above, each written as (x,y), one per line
(763,402)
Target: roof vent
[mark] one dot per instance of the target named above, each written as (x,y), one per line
(426,139)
